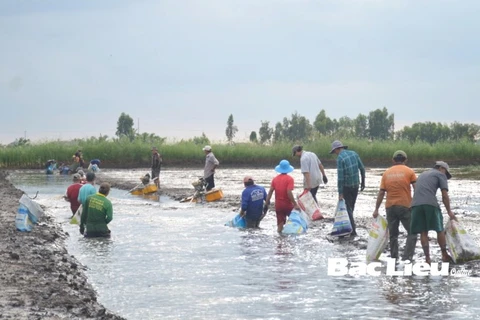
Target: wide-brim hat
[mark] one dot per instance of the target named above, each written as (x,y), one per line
(284,167)
(337,144)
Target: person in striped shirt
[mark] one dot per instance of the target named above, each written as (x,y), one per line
(349,165)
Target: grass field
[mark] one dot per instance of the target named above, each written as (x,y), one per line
(126,154)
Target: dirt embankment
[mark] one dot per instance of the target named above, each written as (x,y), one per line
(38,278)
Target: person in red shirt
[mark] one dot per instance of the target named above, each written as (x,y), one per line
(282,185)
(72,193)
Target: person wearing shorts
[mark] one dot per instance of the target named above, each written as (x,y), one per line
(426,213)
(282,186)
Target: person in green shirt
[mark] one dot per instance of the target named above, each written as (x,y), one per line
(97,213)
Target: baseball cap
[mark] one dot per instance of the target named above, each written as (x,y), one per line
(247,178)
(296,149)
(444,165)
(207,148)
(399,153)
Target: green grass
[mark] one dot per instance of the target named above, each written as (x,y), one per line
(123,153)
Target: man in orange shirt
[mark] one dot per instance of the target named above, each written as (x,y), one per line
(397,182)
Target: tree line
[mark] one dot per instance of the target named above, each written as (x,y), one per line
(377,125)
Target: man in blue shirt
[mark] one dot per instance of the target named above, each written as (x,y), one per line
(253,197)
(348,166)
(87,189)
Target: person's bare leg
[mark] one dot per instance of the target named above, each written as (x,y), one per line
(443,246)
(425,246)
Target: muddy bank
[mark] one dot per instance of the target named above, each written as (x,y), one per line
(38,278)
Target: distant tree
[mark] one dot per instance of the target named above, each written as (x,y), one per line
(335,126)
(150,138)
(231,129)
(265,132)
(345,127)
(361,126)
(381,125)
(323,124)
(297,128)
(253,137)
(277,133)
(125,126)
(19,142)
(464,131)
(102,138)
(202,140)
(429,132)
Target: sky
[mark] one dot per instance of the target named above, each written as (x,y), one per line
(179,68)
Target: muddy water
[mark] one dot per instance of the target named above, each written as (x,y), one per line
(171,260)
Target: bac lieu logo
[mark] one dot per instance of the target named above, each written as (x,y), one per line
(341,267)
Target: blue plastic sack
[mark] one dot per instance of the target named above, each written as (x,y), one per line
(22,220)
(65,170)
(237,222)
(296,223)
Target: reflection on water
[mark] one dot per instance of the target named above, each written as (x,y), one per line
(170,260)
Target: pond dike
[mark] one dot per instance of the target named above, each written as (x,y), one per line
(38,278)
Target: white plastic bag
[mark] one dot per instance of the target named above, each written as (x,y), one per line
(377,238)
(77,216)
(34,209)
(309,206)
(341,225)
(462,247)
